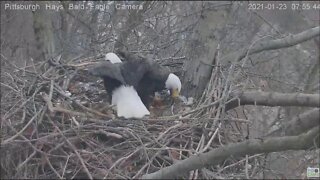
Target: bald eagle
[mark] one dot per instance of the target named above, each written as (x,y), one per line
(133,82)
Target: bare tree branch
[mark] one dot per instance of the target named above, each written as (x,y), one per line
(274,99)
(288,41)
(299,124)
(303,122)
(250,147)
(135,18)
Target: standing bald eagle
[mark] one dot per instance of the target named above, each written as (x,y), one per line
(132,83)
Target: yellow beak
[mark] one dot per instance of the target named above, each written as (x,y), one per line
(175,93)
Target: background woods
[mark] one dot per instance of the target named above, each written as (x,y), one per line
(253,75)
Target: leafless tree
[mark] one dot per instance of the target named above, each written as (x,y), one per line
(253,75)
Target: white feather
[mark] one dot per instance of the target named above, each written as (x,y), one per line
(173,82)
(126,98)
(128,102)
(113,58)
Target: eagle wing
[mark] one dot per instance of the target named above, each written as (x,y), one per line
(147,77)
(133,71)
(153,80)
(109,70)
(157,73)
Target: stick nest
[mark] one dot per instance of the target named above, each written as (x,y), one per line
(56,123)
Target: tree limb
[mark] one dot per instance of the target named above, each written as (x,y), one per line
(303,122)
(249,147)
(274,99)
(299,124)
(288,41)
(135,18)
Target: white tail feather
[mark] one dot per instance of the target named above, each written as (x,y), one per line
(128,102)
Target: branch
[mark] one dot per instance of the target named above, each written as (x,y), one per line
(299,124)
(303,122)
(249,147)
(134,20)
(58,109)
(23,129)
(75,150)
(288,41)
(53,109)
(274,99)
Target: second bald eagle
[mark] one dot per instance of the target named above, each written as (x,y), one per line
(132,83)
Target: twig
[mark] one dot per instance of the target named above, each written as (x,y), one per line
(234,164)
(5,85)
(65,166)
(58,109)
(75,150)
(51,167)
(205,106)
(26,160)
(85,108)
(109,134)
(23,129)
(172,127)
(246,167)
(119,161)
(149,162)
(211,139)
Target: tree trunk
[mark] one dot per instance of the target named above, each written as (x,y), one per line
(43,30)
(201,51)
